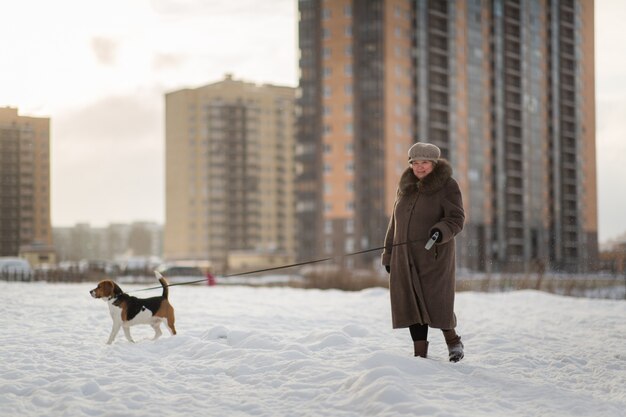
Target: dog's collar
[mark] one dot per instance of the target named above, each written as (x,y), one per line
(115,297)
(117,300)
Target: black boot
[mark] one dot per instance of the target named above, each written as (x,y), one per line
(455,346)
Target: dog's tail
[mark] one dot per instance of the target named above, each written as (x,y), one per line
(164,283)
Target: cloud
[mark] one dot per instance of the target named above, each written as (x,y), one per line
(164,61)
(117,120)
(256,41)
(105,50)
(107,161)
(221,7)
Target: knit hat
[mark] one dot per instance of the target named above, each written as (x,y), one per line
(424,152)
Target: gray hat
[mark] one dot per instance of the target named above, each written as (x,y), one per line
(424,152)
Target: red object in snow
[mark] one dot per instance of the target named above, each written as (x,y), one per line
(210,279)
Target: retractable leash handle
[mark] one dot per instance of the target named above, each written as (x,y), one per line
(432,241)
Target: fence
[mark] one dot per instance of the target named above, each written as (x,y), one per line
(597,286)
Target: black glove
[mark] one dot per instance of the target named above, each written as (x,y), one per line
(388,268)
(440,237)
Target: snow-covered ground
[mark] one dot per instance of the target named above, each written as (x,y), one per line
(245,351)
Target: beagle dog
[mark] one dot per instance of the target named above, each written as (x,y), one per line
(127,310)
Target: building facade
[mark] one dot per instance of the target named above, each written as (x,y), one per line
(355,122)
(504,87)
(229,172)
(24,182)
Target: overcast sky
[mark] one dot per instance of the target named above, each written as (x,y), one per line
(99,70)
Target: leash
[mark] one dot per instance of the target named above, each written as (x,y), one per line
(315,261)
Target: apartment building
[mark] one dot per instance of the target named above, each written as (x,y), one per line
(24,182)
(504,87)
(229,172)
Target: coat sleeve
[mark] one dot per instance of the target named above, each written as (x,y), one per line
(391,228)
(453,218)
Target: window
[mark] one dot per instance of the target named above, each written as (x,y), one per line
(350,226)
(305,206)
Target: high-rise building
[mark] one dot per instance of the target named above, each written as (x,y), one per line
(504,87)
(229,172)
(24,181)
(355,122)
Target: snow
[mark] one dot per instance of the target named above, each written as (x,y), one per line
(244,351)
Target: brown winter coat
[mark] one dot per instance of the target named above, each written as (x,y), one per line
(422,282)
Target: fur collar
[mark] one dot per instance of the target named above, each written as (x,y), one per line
(430,184)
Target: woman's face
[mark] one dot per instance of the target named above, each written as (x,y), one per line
(422,168)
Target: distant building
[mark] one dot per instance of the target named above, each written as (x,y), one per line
(229,171)
(505,88)
(115,242)
(39,255)
(614,260)
(613,255)
(24,181)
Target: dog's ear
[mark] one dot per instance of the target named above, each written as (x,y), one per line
(117,291)
(105,288)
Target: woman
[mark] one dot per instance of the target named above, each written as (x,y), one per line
(422,281)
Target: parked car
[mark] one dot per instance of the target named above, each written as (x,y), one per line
(180,273)
(15,269)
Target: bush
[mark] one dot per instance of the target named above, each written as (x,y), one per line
(344,279)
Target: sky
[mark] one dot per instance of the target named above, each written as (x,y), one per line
(100,69)
(296,353)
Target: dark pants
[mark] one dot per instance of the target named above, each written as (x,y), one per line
(419,331)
